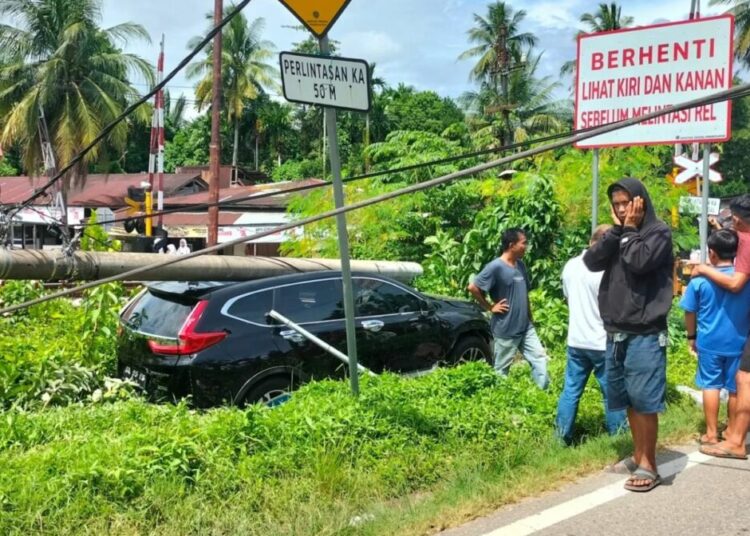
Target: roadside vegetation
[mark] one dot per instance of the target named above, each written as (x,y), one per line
(322,463)
(81,452)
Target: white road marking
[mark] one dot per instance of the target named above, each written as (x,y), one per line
(561,512)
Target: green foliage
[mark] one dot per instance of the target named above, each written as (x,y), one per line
(95,238)
(531,205)
(297,170)
(167,469)
(550,319)
(735,159)
(395,229)
(409,109)
(57,352)
(189,146)
(7,169)
(400,436)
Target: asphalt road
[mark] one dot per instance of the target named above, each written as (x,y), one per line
(699,495)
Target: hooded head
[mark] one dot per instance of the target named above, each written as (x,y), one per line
(634,188)
(183,243)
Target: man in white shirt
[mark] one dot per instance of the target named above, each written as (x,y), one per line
(587,342)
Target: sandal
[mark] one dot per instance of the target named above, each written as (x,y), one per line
(652,480)
(624,467)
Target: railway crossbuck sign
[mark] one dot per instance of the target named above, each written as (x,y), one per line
(691,169)
(317,15)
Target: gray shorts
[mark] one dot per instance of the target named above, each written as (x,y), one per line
(637,372)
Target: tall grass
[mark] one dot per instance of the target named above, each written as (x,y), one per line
(322,463)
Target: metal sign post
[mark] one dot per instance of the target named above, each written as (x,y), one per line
(704,205)
(338,195)
(595,193)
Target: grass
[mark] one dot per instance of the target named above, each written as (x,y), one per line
(408,457)
(477,491)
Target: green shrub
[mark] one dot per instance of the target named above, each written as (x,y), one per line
(58,352)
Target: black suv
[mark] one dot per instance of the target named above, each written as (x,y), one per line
(216,342)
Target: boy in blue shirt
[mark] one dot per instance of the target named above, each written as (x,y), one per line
(718,333)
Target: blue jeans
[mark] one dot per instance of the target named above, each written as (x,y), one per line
(579,366)
(532,350)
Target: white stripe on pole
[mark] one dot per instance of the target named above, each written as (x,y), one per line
(160,135)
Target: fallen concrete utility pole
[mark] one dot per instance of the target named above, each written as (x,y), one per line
(89,265)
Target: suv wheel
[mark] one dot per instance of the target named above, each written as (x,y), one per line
(471,348)
(270,388)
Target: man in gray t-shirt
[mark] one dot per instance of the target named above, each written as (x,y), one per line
(507,283)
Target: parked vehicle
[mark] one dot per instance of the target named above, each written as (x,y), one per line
(216,342)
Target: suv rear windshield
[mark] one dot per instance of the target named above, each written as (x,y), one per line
(154,315)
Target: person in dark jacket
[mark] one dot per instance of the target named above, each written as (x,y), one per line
(634,300)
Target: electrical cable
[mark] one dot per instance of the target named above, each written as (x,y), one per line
(716,97)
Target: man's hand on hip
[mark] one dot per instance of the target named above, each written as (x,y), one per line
(501,307)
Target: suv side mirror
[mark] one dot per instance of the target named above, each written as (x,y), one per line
(427,308)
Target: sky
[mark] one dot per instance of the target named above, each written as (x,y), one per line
(415,42)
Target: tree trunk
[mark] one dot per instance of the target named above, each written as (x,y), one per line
(367,142)
(235,174)
(257,137)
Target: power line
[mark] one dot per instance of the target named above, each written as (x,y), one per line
(716,97)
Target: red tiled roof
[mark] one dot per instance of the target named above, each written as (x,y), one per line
(98,191)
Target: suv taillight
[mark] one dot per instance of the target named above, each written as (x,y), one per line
(190,341)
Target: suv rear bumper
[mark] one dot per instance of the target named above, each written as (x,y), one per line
(166,380)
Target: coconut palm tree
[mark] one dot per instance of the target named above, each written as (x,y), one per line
(741,11)
(499,45)
(495,36)
(605,19)
(54,57)
(536,110)
(608,17)
(245,72)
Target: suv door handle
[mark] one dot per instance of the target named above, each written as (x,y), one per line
(373,325)
(292,335)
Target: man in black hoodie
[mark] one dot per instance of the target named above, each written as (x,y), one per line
(634,299)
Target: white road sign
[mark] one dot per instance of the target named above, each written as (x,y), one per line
(335,82)
(693,205)
(628,73)
(695,169)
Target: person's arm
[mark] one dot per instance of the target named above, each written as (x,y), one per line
(525,272)
(691,327)
(500,307)
(597,257)
(643,254)
(733,282)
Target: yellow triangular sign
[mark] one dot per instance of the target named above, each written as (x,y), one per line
(317,15)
